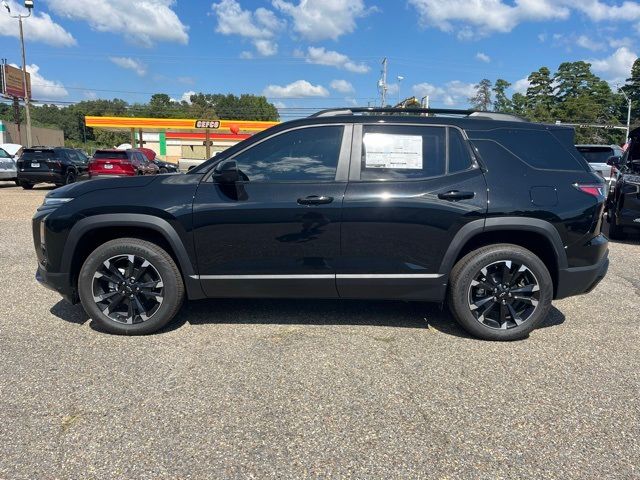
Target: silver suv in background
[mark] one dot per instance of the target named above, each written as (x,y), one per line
(8,170)
(597,156)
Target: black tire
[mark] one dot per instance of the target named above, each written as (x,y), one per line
(501,256)
(17,182)
(615,231)
(162,300)
(163,170)
(26,185)
(70,177)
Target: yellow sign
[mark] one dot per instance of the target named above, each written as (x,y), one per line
(12,82)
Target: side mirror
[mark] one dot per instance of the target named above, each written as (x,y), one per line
(226,172)
(614,161)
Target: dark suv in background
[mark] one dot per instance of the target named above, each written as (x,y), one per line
(623,212)
(492,214)
(58,165)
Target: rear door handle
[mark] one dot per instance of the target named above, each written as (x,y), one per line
(454,195)
(315,200)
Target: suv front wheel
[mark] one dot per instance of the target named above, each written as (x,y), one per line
(500,292)
(130,286)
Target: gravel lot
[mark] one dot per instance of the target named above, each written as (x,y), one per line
(293,389)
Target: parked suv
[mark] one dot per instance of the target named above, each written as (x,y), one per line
(598,156)
(58,165)
(120,163)
(623,210)
(494,215)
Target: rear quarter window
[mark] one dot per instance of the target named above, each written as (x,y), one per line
(537,148)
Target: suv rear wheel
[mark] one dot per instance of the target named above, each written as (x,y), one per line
(500,292)
(130,286)
(26,185)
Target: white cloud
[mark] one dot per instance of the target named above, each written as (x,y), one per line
(259,26)
(39,28)
(476,18)
(453,93)
(297,89)
(482,17)
(130,64)
(483,57)
(42,88)
(342,86)
(323,19)
(617,66)
(320,56)
(621,42)
(142,22)
(521,86)
(585,42)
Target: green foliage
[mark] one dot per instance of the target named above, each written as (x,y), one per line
(572,95)
(481,100)
(70,118)
(502,103)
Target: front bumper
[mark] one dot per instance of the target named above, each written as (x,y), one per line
(8,174)
(58,282)
(579,280)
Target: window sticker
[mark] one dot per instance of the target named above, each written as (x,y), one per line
(383,150)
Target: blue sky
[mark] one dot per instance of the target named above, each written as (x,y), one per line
(306,54)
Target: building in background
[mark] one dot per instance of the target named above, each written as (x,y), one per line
(50,137)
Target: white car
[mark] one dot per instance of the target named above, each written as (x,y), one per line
(597,156)
(8,170)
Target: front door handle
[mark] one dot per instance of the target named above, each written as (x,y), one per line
(315,200)
(454,195)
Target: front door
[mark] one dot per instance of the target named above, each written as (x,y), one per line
(411,189)
(275,233)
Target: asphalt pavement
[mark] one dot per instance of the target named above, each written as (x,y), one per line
(299,389)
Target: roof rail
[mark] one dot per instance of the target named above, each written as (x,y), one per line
(332,112)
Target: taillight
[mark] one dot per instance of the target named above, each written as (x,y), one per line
(593,189)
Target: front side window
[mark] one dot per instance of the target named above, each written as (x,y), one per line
(402,152)
(302,155)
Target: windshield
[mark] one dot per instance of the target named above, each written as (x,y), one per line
(596,154)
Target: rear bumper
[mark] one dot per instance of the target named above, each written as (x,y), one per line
(579,280)
(41,177)
(58,282)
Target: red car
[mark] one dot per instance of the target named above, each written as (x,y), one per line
(120,163)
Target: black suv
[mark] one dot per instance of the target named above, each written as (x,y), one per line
(58,165)
(494,214)
(623,210)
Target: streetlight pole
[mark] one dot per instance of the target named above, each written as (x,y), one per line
(628,112)
(29,5)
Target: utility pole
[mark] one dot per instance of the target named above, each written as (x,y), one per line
(29,6)
(382,83)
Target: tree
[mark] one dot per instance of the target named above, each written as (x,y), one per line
(540,98)
(572,79)
(502,103)
(519,104)
(481,100)
(632,89)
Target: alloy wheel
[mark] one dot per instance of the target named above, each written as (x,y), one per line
(128,289)
(504,294)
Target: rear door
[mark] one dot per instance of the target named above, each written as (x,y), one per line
(411,189)
(276,233)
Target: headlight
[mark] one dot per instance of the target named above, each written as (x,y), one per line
(55,201)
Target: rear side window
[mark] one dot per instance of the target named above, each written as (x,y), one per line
(459,156)
(538,148)
(402,152)
(106,154)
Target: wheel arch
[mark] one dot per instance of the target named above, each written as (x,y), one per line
(538,236)
(90,232)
